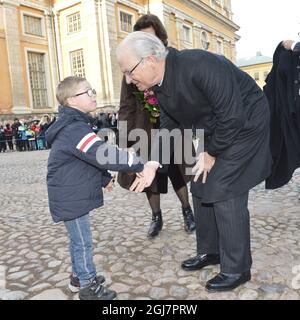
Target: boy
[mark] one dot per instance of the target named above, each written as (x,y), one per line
(75,179)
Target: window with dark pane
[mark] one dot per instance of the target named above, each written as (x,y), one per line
(37,77)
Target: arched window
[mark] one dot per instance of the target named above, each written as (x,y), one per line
(204,40)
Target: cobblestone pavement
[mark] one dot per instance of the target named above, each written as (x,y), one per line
(35,263)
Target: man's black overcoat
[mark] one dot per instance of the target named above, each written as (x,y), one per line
(209,92)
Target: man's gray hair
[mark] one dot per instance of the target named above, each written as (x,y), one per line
(143,44)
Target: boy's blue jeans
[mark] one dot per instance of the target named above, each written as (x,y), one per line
(81,249)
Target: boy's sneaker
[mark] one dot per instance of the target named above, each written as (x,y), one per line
(95,291)
(74,284)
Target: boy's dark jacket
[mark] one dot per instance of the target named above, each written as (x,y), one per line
(75,178)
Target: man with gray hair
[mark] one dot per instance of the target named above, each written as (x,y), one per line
(198,89)
(150,51)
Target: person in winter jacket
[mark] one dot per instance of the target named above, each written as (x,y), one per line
(291,45)
(78,167)
(2,140)
(8,132)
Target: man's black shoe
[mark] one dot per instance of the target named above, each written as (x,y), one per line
(200,261)
(226,281)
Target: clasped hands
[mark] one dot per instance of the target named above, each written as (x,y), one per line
(204,164)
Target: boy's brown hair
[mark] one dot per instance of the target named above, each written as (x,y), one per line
(66,89)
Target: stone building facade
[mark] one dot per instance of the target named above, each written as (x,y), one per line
(42,42)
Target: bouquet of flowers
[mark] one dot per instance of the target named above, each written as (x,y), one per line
(149,102)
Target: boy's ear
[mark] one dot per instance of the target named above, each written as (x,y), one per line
(70,101)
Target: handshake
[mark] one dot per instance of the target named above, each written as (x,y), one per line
(203,166)
(145,177)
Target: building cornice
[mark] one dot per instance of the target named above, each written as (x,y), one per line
(33,41)
(65,5)
(182,15)
(256,65)
(130,4)
(212,13)
(26,3)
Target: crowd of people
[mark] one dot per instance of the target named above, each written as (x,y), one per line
(107,120)
(29,135)
(22,135)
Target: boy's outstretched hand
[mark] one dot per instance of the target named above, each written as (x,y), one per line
(145,177)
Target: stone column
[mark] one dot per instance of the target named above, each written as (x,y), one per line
(52,57)
(179,23)
(106,13)
(110,43)
(213,45)
(227,49)
(166,21)
(15,62)
(196,35)
(92,52)
(58,44)
(233,52)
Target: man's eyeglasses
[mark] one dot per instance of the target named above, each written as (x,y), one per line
(89,92)
(129,73)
